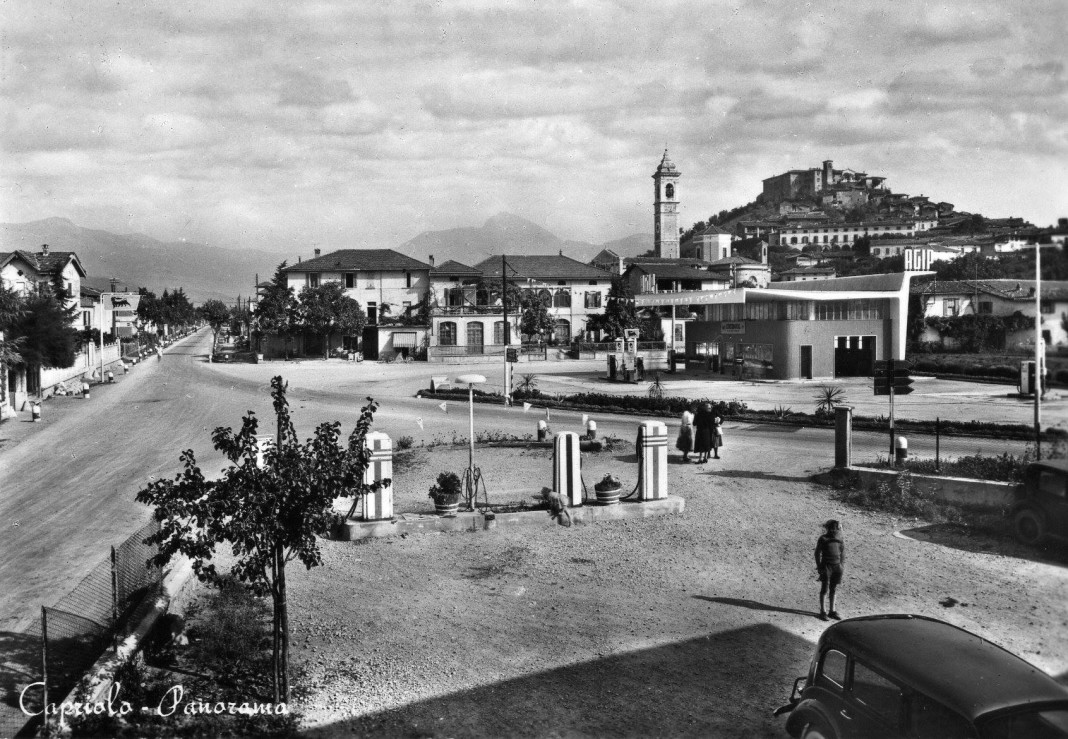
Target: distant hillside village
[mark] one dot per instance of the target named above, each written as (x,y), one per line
(825,273)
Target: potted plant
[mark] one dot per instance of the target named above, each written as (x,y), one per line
(446,493)
(608,490)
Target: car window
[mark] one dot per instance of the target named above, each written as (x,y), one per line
(928,718)
(833,667)
(1051,483)
(876,692)
(1052,724)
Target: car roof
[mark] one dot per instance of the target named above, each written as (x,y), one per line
(957,668)
(1060,465)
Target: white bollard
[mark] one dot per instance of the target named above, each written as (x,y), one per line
(567,467)
(85,390)
(111,376)
(378,506)
(652,485)
(543,430)
(591,430)
(35,412)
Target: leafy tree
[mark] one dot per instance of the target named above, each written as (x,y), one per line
(970,267)
(267,516)
(11,310)
(44,329)
(619,310)
(149,309)
(278,310)
(535,319)
(216,314)
(326,309)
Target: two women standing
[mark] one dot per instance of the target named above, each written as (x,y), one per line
(708,433)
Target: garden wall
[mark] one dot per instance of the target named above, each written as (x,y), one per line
(958,490)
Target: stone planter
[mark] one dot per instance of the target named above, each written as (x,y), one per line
(447,506)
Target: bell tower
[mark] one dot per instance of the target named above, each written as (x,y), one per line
(666,209)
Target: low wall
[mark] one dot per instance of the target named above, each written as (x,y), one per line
(85,363)
(959,490)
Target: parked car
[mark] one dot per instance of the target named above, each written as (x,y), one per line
(918,677)
(1041,508)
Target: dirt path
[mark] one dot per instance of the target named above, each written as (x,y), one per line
(692,625)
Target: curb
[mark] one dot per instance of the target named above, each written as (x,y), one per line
(418,523)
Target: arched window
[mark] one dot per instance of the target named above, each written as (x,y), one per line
(793,239)
(447,333)
(804,239)
(474,336)
(562,331)
(562,299)
(669,191)
(545,297)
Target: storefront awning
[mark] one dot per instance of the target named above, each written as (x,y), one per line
(404,340)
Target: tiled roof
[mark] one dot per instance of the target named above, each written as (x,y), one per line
(891,282)
(735,261)
(677,272)
(452,268)
(810,271)
(687,261)
(353,260)
(1021,290)
(542,267)
(604,255)
(55,261)
(714,230)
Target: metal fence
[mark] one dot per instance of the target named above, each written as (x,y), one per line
(72,634)
(875,446)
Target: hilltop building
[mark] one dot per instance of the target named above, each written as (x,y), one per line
(844,187)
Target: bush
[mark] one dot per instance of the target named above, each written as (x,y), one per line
(447,489)
(899,497)
(405,442)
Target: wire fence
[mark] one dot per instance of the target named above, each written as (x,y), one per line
(875,446)
(71,635)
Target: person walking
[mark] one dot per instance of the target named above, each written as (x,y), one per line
(159,354)
(702,422)
(685,441)
(717,436)
(830,561)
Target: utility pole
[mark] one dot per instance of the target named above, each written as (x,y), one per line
(1039,346)
(507,333)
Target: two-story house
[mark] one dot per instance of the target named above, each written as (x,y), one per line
(388,286)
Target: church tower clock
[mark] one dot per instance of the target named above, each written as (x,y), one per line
(666,210)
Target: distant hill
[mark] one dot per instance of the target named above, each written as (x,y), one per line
(505,233)
(204,272)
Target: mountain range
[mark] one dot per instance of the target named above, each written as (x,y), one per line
(506,233)
(205,272)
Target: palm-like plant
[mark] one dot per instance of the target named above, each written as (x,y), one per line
(828,397)
(656,387)
(527,384)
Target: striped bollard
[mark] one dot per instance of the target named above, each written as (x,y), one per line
(653,482)
(378,506)
(567,467)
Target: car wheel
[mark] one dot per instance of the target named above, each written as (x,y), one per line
(1029,526)
(816,730)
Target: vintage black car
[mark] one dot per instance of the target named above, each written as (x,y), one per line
(1041,508)
(918,677)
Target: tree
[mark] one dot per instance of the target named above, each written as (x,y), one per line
(619,310)
(44,329)
(971,266)
(277,310)
(326,309)
(11,309)
(215,314)
(267,516)
(534,319)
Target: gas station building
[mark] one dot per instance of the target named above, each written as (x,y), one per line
(795,330)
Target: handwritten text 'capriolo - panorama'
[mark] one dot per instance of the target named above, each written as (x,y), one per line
(172,702)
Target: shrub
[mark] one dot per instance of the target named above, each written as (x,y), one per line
(447,489)
(899,497)
(405,442)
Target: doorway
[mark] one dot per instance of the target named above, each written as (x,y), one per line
(806,361)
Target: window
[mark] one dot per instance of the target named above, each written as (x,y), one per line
(986,306)
(370,280)
(950,307)
(1046,306)
(407,306)
(350,280)
(313,279)
(593,282)
(1051,483)
(562,299)
(593,300)
(876,692)
(562,331)
(833,668)
(474,333)
(498,333)
(407,279)
(447,334)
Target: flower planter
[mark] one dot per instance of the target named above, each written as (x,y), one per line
(446,509)
(609,496)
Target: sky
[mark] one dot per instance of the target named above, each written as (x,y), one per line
(294,125)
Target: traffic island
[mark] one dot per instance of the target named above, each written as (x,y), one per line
(418,523)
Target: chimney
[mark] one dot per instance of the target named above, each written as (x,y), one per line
(298,259)
(44,250)
(114,287)
(318,252)
(621,265)
(431,257)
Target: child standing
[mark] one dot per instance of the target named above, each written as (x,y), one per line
(830,562)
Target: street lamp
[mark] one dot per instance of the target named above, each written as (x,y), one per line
(471,381)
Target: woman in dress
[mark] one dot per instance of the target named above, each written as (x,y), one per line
(717,436)
(702,443)
(685,441)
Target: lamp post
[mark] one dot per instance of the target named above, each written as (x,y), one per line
(471,381)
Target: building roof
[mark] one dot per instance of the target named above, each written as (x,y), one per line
(1019,290)
(667,166)
(810,271)
(961,670)
(605,255)
(687,261)
(891,282)
(354,260)
(452,268)
(103,285)
(50,262)
(667,271)
(735,262)
(542,267)
(714,230)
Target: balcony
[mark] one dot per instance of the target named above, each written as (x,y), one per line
(470,310)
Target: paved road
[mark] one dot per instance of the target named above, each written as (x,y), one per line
(67,486)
